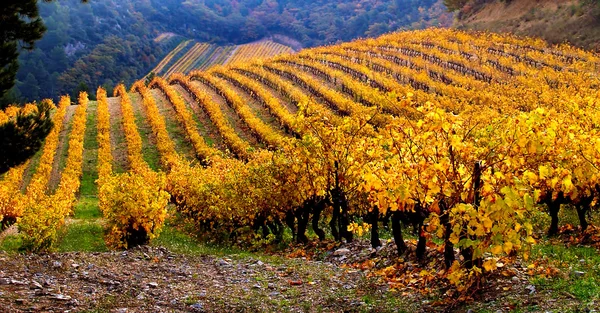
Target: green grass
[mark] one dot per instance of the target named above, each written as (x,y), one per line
(116,131)
(149,150)
(585,287)
(199,125)
(63,153)
(31,168)
(85,236)
(11,243)
(175,236)
(178,241)
(87,209)
(176,131)
(90,153)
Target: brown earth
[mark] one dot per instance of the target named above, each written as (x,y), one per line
(241,129)
(206,128)
(118,144)
(156,280)
(573,21)
(61,149)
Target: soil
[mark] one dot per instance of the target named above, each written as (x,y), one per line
(155,280)
(555,21)
(234,120)
(206,128)
(61,151)
(117,138)
(177,132)
(320,277)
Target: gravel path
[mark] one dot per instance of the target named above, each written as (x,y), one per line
(155,280)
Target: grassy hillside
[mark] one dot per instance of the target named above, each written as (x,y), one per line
(573,21)
(470,137)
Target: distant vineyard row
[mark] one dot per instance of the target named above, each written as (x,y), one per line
(190,55)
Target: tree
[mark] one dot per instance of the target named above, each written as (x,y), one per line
(31,86)
(20,24)
(23,136)
(454,5)
(20,27)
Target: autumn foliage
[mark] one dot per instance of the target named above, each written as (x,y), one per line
(468,138)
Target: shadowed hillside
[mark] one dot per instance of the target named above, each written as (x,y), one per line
(557,21)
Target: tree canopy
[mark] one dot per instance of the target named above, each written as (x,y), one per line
(20,27)
(23,136)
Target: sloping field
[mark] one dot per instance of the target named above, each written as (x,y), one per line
(190,55)
(470,138)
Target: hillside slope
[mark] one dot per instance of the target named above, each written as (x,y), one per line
(104,42)
(573,21)
(191,55)
(397,122)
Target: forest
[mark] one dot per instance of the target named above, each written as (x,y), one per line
(102,43)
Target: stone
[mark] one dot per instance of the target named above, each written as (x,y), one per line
(197,307)
(342,251)
(61,297)
(223,263)
(36,285)
(579,273)
(153,284)
(531,289)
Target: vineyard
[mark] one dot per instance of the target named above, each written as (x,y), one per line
(476,141)
(190,55)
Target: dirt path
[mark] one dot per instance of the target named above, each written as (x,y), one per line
(285,101)
(90,153)
(258,109)
(118,145)
(176,131)
(61,150)
(156,280)
(206,128)
(291,106)
(149,149)
(238,125)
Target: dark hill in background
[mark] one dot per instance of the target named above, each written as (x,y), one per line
(105,42)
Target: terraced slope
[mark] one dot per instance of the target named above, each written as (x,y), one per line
(190,55)
(438,83)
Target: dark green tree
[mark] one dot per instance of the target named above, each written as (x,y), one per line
(23,136)
(20,27)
